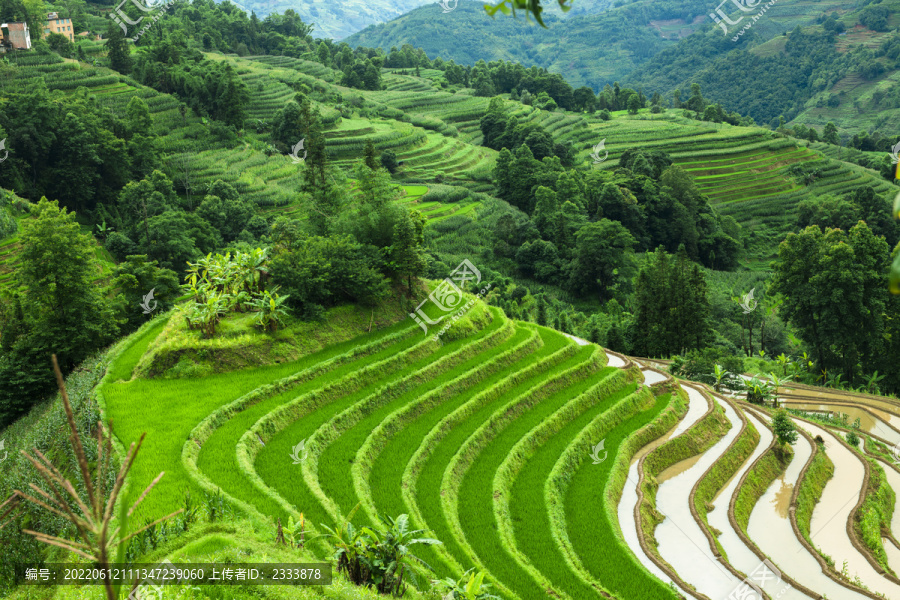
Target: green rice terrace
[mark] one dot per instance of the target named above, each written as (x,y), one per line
(752,174)
(553,466)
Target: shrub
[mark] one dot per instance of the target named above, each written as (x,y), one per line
(377,557)
(445,193)
(389,161)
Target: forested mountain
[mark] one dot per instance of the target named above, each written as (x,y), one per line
(337,20)
(812,62)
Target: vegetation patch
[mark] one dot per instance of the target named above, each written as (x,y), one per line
(875,514)
(720,473)
(819,472)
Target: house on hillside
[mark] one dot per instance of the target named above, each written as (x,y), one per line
(61,26)
(15,36)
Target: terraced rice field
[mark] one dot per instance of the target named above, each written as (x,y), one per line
(559,469)
(456,433)
(744,171)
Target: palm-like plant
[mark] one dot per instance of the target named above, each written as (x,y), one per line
(470,587)
(377,557)
(721,375)
(758,391)
(104,230)
(872,384)
(390,554)
(776,383)
(91,516)
(347,542)
(270,310)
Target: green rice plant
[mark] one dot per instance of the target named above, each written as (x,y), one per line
(764,471)
(281,427)
(337,442)
(875,514)
(467,478)
(423,472)
(591,539)
(214,462)
(520,507)
(377,471)
(720,473)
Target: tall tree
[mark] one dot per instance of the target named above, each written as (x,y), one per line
(835,294)
(371,159)
(672,311)
(117,49)
(67,313)
(602,257)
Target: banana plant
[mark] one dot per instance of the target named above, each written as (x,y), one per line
(776,383)
(470,587)
(389,552)
(721,375)
(872,384)
(758,391)
(269,310)
(783,362)
(103,230)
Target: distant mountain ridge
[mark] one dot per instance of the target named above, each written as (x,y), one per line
(336,20)
(570,44)
(840,67)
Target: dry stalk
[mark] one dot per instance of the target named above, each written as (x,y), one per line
(92,515)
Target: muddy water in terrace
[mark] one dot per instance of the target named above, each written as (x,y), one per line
(681,541)
(770,529)
(696,409)
(831,514)
(739,555)
(876,425)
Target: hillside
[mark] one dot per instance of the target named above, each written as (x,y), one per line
(568,45)
(451,332)
(547,463)
(647,45)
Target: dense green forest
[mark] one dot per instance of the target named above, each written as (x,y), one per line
(809,61)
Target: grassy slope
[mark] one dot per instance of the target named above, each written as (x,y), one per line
(168,409)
